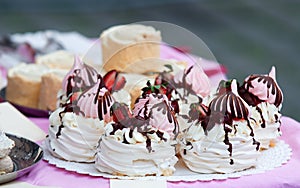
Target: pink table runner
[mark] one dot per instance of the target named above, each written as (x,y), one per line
(284,176)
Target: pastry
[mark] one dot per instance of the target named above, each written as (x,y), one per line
(51,83)
(76,127)
(142,143)
(79,122)
(126,44)
(24,83)
(223,140)
(265,98)
(43,79)
(6,144)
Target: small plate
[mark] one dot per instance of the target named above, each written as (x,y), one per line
(25,155)
(27,111)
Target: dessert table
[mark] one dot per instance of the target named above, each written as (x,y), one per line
(285,176)
(45,174)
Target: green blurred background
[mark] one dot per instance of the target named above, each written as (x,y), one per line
(245,36)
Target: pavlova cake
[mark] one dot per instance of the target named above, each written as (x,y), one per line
(83,112)
(265,98)
(141,143)
(223,140)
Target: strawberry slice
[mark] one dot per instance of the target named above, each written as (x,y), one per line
(120,112)
(74,97)
(114,81)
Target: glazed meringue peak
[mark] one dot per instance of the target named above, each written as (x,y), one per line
(265,87)
(158,109)
(96,102)
(80,77)
(194,78)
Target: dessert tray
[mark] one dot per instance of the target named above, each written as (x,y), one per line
(269,159)
(25,156)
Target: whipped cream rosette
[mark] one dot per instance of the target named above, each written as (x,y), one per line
(142,143)
(265,98)
(79,78)
(223,142)
(76,127)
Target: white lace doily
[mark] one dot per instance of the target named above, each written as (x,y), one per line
(270,159)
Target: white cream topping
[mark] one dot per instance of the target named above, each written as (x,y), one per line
(134,159)
(270,116)
(57,59)
(61,98)
(32,72)
(209,154)
(6,144)
(78,139)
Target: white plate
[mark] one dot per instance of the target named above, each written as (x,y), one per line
(270,159)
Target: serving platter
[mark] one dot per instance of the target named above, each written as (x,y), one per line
(272,158)
(25,156)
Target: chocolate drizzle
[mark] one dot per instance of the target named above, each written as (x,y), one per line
(92,74)
(76,83)
(263,124)
(142,128)
(123,119)
(101,99)
(69,107)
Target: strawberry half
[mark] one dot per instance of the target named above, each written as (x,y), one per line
(114,81)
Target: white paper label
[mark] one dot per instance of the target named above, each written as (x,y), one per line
(115,183)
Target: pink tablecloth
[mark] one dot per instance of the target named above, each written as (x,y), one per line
(285,176)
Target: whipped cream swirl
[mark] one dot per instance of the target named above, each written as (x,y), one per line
(124,152)
(208,153)
(73,137)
